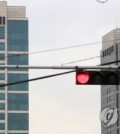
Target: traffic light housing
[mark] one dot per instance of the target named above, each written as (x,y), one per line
(97,77)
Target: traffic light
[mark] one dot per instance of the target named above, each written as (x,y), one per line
(97,77)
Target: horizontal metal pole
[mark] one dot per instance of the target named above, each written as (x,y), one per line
(58,67)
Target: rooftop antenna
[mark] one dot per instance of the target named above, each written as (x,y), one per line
(102,1)
(116,23)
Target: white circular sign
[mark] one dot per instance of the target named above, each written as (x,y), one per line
(109,116)
(102,1)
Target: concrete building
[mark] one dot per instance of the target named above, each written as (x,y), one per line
(14,110)
(110,94)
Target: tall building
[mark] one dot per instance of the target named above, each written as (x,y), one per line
(110,94)
(14,110)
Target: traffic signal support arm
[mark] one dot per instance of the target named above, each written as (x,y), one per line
(59,67)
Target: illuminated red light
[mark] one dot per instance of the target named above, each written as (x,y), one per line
(83,77)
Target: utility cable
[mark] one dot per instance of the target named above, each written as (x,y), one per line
(91,58)
(38,78)
(56,49)
(63,48)
(74,46)
(47,50)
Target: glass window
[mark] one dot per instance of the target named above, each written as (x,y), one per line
(2,68)
(2,32)
(17,59)
(2,126)
(2,96)
(2,106)
(2,116)
(2,87)
(2,76)
(17,35)
(2,57)
(2,46)
(17,101)
(103,53)
(112,49)
(18,78)
(17,121)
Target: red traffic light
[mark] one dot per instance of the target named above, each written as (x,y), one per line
(82,77)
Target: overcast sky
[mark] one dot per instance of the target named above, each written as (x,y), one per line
(57,105)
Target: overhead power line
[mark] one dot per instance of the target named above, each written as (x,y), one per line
(91,58)
(56,49)
(74,46)
(69,47)
(63,48)
(48,50)
(82,60)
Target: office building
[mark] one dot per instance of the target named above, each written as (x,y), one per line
(14,110)
(110,94)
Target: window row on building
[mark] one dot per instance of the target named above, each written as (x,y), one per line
(108,51)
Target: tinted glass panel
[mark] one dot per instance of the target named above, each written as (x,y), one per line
(17,101)
(3,87)
(2,46)
(17,59)
(2,116)
(2,96)
(2,76)
(2,68)
(2,126)
(18,35)
(18,78)
(17,121)
(2,57)
(2,32)
(2,106)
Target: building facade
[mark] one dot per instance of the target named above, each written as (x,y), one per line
(14,104)
(110,94)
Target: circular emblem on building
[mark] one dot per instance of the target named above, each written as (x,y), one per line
(102,1)
(109,116)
